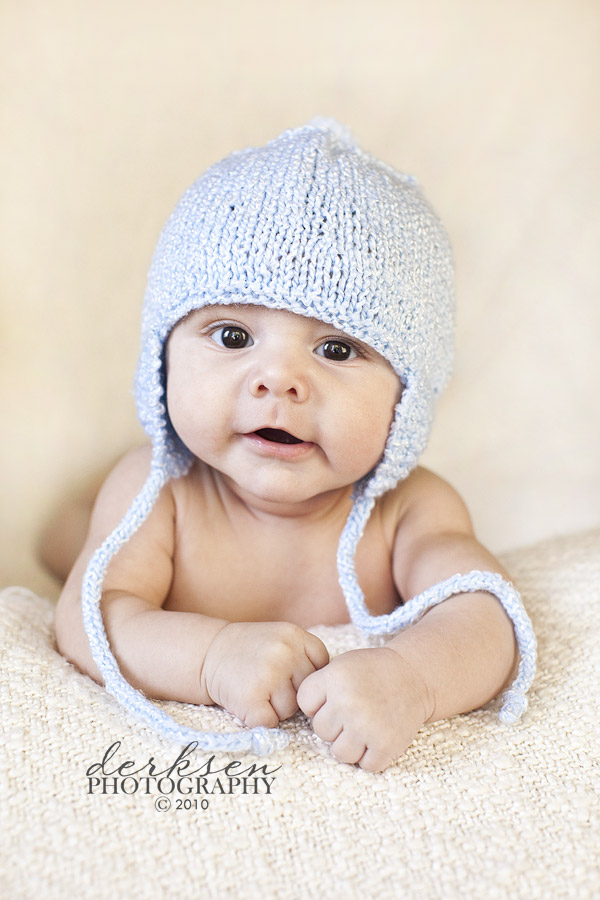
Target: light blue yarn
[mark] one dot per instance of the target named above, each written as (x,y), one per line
(515,700)
(259,740)
(310,224)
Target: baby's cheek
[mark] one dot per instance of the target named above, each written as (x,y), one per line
(373,438)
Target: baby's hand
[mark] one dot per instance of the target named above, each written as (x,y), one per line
(369,704)
(254,669)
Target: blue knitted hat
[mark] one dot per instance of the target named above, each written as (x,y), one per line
(311,224)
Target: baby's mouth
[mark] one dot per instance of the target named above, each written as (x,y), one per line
(277,436)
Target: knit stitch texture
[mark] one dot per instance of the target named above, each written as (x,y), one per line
(311,224)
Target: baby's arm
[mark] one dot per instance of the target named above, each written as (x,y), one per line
(252,669)
(371,703)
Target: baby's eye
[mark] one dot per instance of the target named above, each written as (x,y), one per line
(339,351)
(232,337)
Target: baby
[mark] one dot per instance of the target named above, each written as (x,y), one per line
(297,330)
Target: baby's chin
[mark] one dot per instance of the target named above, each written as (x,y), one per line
(287,500)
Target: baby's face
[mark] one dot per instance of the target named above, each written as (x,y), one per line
(287,408)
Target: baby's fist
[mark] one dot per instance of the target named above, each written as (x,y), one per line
(368,704)
(253,669)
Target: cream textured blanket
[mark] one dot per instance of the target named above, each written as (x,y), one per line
(473,810)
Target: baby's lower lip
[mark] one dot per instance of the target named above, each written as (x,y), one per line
(287,448)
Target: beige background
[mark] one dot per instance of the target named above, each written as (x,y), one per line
(109,111)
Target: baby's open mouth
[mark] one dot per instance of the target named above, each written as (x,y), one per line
(277,436)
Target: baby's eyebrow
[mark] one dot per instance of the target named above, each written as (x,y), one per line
(218,311)
(344,336)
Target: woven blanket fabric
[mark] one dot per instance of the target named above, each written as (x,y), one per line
(474,809)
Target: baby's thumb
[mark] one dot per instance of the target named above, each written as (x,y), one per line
(311,694)
(316,650)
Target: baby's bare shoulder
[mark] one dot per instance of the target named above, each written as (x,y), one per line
(120,487)
(180,499)
(434,535)
(132,468)
(425,502)
(152,541)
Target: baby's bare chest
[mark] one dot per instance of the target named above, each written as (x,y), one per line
(229,570)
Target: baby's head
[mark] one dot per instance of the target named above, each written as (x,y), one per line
(312,225)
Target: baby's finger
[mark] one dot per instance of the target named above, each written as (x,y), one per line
(283,700)
(316,650)
(261,713)
(302,670)
(374,760)
(348,748)
(311,694)
(327,722)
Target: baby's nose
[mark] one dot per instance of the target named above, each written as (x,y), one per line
(280,374)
